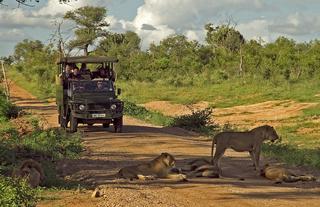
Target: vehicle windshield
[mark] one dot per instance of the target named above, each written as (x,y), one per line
(91,86)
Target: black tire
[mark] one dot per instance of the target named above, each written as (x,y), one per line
(63,123)
(105,125)
(118,124)
(73,123)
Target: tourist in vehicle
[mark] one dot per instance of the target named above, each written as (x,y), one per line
(103,73)
(85,72)
(76,74)
(68,71)
(84,69)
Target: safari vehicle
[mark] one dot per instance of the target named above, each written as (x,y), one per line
(88,101)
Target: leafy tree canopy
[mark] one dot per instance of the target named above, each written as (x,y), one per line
(90,25)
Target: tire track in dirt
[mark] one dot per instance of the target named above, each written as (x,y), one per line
(106,152)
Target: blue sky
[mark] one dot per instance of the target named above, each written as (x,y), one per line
(154,20)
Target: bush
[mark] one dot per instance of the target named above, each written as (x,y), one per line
(52,143)
(200,121)
(16,193)
(7,109)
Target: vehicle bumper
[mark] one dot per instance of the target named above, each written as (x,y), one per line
(97,116)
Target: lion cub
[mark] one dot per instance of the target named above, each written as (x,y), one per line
(161,167)
(280,174)
(31,170)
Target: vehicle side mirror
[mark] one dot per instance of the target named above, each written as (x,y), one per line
(119,91)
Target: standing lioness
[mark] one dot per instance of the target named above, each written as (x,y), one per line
(250,141)
(160,167)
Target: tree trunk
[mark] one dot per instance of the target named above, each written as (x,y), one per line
(86,53)
(6,85)
(241,62)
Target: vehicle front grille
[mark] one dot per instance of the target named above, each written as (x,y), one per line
(103,106)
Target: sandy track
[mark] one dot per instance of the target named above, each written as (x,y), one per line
(274,113)
(106,152)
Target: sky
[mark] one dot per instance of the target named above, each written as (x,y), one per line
(154,20)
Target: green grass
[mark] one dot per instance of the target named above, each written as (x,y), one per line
(312,111)
(16,193)
(297,148)
(293,155)
(225,94)
(31,86)
(142,113)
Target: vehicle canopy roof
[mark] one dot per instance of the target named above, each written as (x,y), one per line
(87,59)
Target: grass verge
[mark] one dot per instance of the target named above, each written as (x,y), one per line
(225,94)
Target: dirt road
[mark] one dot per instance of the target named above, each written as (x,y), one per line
(106,152)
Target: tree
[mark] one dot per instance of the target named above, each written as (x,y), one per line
(126,47)
(7,60)
(90,23)
(26,49)
(224,36)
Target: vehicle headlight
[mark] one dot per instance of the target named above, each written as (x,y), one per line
(113,107)
(82,107)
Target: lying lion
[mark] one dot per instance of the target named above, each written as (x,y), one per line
(280,174)
(31,170)
(161,167)
(250,141)
(202,168)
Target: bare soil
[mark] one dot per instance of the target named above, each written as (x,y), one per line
(106,152)
(274,113)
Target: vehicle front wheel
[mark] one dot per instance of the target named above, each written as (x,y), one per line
(73,123)
(118,124)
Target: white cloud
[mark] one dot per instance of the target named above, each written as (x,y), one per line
(256,29)
(186,17)
(198,35)
(188,14)
(15,18)
(154,36)
(297,24)
(54,9)
(12,35)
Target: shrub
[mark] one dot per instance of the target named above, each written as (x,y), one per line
(200,121)
(52,143)
(7,109)
(16,193)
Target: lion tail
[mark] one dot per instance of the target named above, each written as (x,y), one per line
(212,147)
(119,174)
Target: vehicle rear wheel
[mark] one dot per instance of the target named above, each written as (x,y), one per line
(117,124)
(73,123)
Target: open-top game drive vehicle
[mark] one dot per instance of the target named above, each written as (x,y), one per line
(88,96)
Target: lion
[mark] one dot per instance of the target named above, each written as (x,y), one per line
(31,170)
(280,174)
(250,141)
(162,166)
(201,168)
